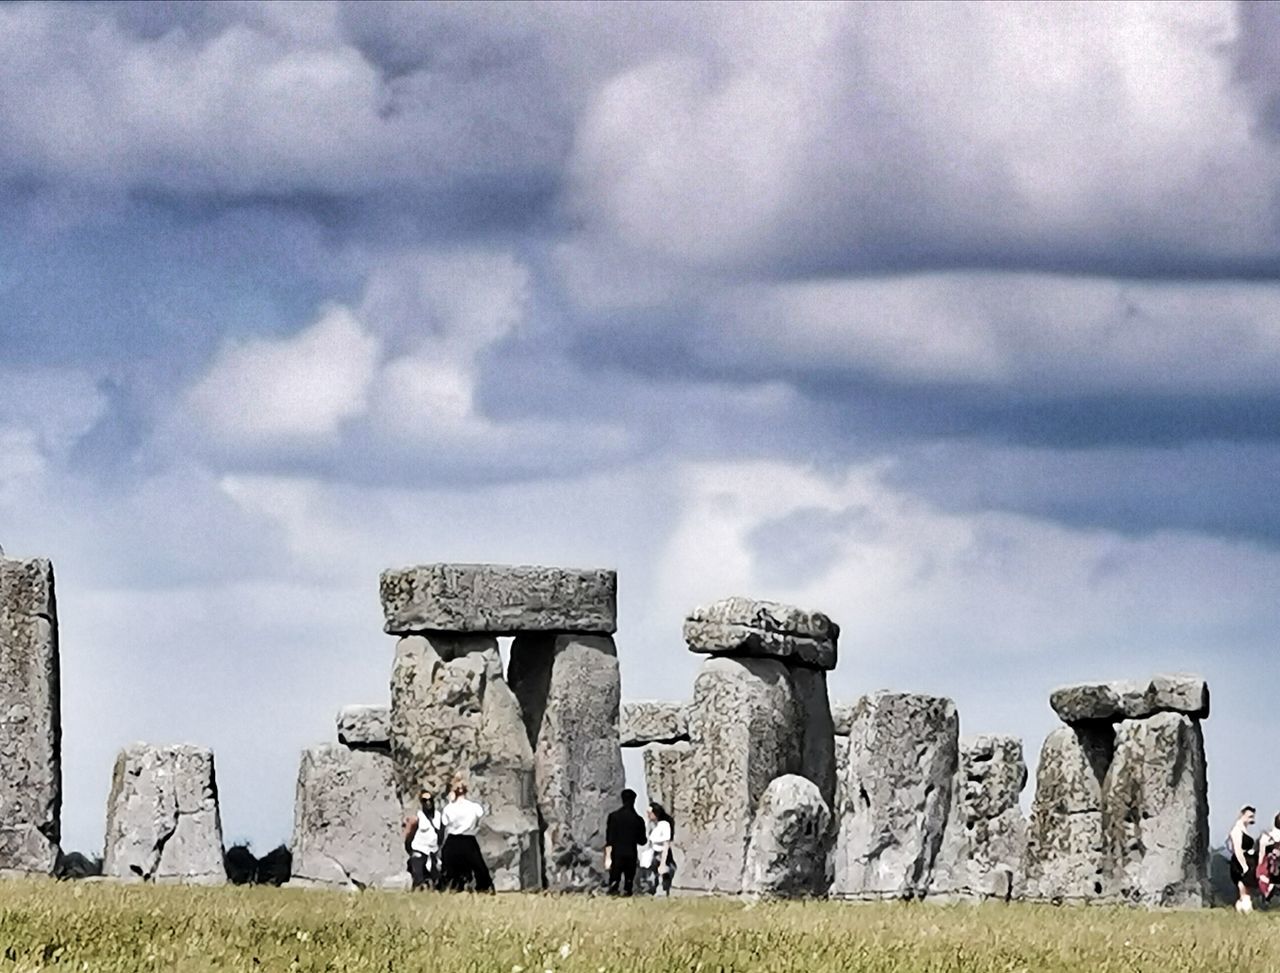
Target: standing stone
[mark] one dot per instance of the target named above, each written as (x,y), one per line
(347,821)
(649,721)
(1065,846)
(452,712)
(745,730)
(366,726)
(787,856)
(984,848)
(1155,813)
(569,690)
(663,772)
(763,629)
(903,755)
(162,817)
(497,599)
(818,753)
(30,721)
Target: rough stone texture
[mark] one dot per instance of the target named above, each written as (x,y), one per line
(842,718)
(569,691)
(787,855)
(498,599)
(1126,700)
(984,847)
(365,726)
(903,755)
(1065,848)
(162,817)
(30,721)
(817,746)
(763,629)
(663,769)
(347,821)
(452,711)
(1155,813)
(643,722)
(745,730)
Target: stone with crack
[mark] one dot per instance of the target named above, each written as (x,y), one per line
(787,856)
(747,627)
(646,721)
(163,823)
(30,727)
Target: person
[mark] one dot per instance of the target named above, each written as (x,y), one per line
(460,858)
(623,835)
(1268,871)
(422,838)
(660,838)
(1240,846)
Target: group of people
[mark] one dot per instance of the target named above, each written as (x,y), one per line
(630,847)
(442,845)
(444,853)
(1254,864)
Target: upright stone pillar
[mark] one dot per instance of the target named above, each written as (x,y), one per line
(30,721)
(903,754)
(451,705)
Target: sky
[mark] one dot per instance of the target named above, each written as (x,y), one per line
(960,323)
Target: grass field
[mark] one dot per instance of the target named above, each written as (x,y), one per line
(91,926)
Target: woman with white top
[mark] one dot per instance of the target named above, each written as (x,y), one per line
(460,856)
(422,835)
(660,838)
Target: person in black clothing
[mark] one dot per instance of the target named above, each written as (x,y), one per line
(624,833)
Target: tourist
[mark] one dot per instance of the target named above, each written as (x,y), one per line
(460,858)
(422,837)
(623,835)
(1268,870)
(663,862)
(1240,846)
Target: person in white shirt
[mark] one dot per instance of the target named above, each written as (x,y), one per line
(660,838)
(422,837)
(460,857)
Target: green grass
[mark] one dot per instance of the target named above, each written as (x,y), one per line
(94,926)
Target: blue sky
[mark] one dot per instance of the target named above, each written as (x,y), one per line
(960,323)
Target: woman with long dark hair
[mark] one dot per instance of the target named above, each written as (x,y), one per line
(660,837)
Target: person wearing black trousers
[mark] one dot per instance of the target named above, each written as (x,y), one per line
(624,833)
(460,858)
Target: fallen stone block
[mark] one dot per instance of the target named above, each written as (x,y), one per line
(763,629)
(569,690)
(163,823)
(1155,813)
(30,720)
(787,856)
(643,722)
(902,760)
(365,726)
(497,599)
(347,823)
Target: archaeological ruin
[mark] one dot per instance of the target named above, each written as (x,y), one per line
(776,791)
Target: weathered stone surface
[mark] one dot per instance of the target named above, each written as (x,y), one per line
(663,769)
(569,691)
(365,726)
(30,722)
(1155,813)
(347,821)
(647,721)
(763,629)
(498,599)
(1126,700)
(842,718)
(745,730)
(787,856)
(817,746)
(1065,848)
(451,712)
(903,755)
(984,847)
(162,817)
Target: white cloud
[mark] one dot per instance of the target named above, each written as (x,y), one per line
(297,390)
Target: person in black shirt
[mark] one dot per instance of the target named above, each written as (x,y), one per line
(624,833)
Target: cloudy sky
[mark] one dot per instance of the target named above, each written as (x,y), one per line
(960,323)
